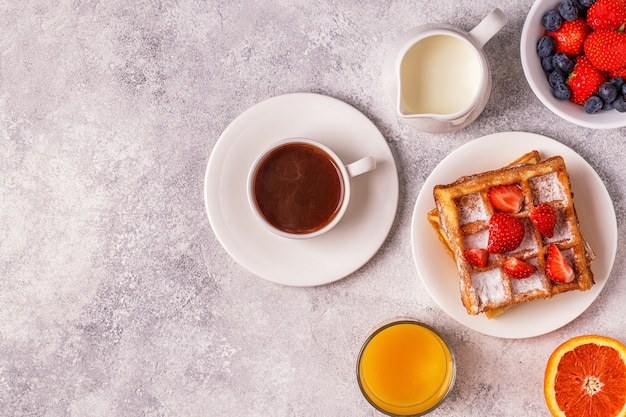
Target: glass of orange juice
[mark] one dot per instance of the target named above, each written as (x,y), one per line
(405,368)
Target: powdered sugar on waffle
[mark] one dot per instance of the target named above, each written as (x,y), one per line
(476,240)
(489,286)
(471,209)
(528,243)
(561,229)
(528,285)
(546,188)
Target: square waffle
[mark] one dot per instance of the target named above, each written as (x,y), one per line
(461,221)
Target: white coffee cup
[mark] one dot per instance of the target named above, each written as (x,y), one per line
(299,188)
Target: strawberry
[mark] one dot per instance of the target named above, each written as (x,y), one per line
(570,37)
(607,15)
(505,233)
(543,217)
(506,198)
(557,268)
(476,257)
(584,80)
(516,268)
(606,49)
(621,72)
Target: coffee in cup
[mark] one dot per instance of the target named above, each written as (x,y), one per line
(299,188)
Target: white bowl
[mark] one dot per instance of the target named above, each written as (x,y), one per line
(537,79)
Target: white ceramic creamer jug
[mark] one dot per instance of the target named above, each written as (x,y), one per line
(437,76)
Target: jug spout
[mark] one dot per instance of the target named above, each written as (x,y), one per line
(433,123)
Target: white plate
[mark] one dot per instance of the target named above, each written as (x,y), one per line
(595,213)
(325,258)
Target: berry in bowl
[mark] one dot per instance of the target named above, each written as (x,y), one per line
(573,54)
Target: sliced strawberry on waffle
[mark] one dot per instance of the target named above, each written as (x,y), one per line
(543,217)
(557,268)
(506,198)
(516,268)
(476,256)
(505,233)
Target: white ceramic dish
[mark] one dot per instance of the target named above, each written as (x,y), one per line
(593,206)
(325,258)
(475,64)
(537,79)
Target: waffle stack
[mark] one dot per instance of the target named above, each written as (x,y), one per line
(462,221)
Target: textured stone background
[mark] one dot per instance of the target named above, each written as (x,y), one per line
(116,299)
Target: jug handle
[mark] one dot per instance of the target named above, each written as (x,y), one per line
(488,27)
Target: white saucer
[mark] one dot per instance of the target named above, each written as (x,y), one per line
(595,213)
(325,258)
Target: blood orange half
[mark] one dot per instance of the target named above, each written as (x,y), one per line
(586,377)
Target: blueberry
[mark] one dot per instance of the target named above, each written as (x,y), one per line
(593,104)
(562,62)
(546,64)
(587,3)
(556,77)
(562,91)
(607,91)
(551,20)
(545,46)
(582,9)
(618,82)
(568,10)
(607,106)
(624,89)
(620,104)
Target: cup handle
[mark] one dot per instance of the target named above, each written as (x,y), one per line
(361,166)
(488,27)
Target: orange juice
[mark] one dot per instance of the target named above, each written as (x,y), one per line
(405,368)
